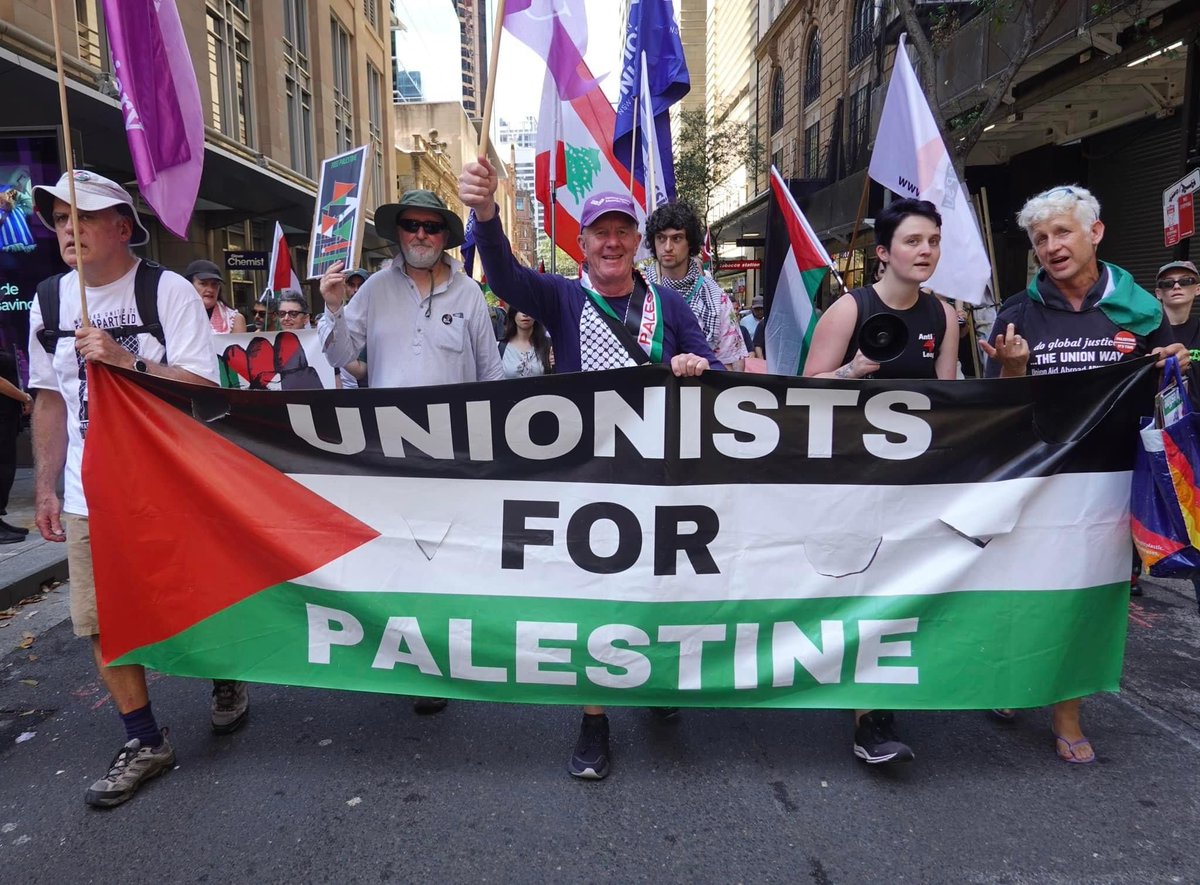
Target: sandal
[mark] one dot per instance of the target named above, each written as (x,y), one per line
(1067,750)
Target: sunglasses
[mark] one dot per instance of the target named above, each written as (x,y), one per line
(411,225)
(259,314)
(293,314)
(1182,282)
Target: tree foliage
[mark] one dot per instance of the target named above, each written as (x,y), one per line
(963,128)
(707,154)
(564,263)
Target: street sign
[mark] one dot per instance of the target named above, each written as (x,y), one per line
(739,264)
(1179,213)
(242,260)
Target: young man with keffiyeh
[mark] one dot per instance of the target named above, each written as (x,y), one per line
(673,236)
(614,320)
(1077,313)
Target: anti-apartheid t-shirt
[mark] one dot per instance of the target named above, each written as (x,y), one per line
(1062,339)
(189,346)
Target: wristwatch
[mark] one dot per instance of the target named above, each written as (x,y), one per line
(139,365)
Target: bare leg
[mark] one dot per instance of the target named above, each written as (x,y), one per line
(126,684)
(1065,722)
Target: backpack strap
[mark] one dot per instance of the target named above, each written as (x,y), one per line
(48,303)
(145,294)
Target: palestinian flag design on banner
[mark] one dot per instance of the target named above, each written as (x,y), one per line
(625,537)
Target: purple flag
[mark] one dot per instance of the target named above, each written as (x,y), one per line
(557,31)
(161,105)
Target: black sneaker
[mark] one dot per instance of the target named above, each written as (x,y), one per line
(590,759)
(875,739)
(9,527)
(131,767)
(429,706)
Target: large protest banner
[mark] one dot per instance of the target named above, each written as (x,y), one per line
(625,537)
(273,361)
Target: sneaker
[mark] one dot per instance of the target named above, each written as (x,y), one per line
(590,759)
(875,739)
(130,768)
(429,706)
(11,537)
(230,705)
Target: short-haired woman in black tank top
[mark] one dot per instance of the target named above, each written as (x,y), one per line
(908,236)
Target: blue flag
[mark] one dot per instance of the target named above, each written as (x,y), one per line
(467,250)
(651,29)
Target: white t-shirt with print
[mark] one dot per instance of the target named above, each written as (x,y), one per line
(189,346)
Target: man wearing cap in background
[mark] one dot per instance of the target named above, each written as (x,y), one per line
(207,279)
(751,320)
(423,321)
(107,226)
(588,330)
(355,279)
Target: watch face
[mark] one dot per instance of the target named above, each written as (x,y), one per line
(139,365)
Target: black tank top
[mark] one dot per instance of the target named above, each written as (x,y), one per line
(926,324)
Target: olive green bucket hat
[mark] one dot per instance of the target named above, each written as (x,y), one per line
(388,214)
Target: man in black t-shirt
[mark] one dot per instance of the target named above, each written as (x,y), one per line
(1077,313)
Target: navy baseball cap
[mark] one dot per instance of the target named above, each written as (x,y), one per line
(603,203)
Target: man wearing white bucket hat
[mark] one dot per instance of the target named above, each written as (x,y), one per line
(141,317)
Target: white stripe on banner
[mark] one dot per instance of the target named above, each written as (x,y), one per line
(772,542)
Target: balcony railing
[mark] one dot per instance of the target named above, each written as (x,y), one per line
(861,45)
(89,45)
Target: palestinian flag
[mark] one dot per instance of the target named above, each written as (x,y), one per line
(281,276)
(624,537)
(793,314)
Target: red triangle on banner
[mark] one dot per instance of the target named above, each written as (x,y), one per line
(341,190)
(327,223)
(184,523)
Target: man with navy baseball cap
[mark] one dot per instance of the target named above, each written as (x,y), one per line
(609,319)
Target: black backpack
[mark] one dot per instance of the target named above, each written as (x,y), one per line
(145,294)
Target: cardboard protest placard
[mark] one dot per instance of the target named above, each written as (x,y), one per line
(337,222)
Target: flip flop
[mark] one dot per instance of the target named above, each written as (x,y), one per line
(1071,746)
(1003,714)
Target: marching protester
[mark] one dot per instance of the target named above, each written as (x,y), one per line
(525,350)
(588,327)
(751,320)
(60,348)
(293,311)
(1073,301)
(354,281)
(207,279)
(265,317)
(423,321)
(1178,284)
(674,237)
(908,244)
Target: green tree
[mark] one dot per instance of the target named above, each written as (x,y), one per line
(706,155)
(565,264)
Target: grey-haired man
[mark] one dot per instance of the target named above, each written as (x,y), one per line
(117,335)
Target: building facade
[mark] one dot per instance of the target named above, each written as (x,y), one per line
(281,86)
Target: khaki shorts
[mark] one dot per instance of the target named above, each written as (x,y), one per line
(83,583)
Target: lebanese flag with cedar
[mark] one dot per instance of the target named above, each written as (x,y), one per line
(574,148)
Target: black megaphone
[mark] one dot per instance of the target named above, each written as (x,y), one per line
(882,337)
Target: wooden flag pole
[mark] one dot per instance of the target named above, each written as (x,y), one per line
(493,63)
(858,220)
(991,245)
(62,102)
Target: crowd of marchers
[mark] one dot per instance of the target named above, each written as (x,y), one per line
(421,321)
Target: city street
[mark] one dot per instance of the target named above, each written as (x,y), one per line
(323,786)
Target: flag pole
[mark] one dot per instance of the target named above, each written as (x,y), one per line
(493,62)
(649,171)
(70,155)
(858,220)
(553,217)
(633,143)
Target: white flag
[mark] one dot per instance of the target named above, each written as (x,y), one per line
(911,160)
(651,159)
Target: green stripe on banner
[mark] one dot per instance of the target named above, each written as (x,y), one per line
(813,277)
(968,650)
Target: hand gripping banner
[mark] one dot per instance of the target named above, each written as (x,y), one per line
(625,537)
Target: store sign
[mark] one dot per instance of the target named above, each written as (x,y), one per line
(739,264)
(241,260)
(1179,214)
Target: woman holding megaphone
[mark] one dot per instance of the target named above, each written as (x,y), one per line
(892,329)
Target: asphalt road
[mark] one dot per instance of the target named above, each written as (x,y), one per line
(344,787)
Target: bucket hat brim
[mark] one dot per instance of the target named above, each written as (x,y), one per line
(388,214)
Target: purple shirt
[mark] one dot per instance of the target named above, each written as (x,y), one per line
(558,303)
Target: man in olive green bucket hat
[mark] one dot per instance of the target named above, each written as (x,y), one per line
(422,320)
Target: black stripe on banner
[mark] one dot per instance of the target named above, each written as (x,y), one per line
(642,425)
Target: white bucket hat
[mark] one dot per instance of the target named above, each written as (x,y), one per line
(92,192)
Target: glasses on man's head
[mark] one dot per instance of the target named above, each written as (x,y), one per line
(1182,282)
(433,228)
(293,314)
